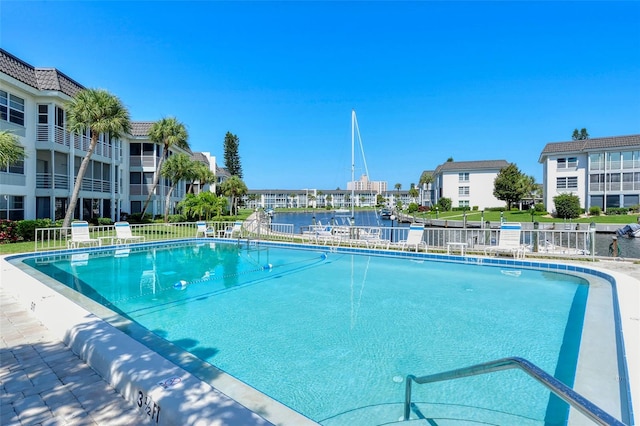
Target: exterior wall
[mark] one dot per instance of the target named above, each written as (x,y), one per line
(480,186)
(553,172)
(604,176)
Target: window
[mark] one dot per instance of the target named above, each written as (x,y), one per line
(12,207)
(16,168)
(596,161)
(11,108)
(463,177)
(463,203)
(567,163)
(463,191)
(567,182)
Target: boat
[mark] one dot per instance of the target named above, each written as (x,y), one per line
(630,230)
(385,214)
(342,211)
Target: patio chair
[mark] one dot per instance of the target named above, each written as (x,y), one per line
(124,235)
(372,237)
(80,235)
(414,238)
(233,231)
(203,230)
(508,241)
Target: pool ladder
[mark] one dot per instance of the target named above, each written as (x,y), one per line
(563,391)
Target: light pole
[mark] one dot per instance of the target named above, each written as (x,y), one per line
(436,212)
(392,217)
(532,210)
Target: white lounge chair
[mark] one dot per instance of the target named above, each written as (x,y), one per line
(234,231)
(508,241)
(372,238)
(124,235)
(414,238)
(203,230)
(80,235)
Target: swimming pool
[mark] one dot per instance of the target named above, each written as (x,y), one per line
(332,334)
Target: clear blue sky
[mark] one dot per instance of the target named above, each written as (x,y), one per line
(428,80)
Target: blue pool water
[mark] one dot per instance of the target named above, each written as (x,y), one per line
(330,334)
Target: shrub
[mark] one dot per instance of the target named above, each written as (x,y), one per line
(539,208)
(26,229)
(495,209)
(635,209)
(136,218)
(474,208)
(8,231)
(413,207)
(613,211)
(105,221)
(567,206)
(177,218)
(595,211)
(444,204)
(424,208)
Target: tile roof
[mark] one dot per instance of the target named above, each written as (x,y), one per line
(38,78)
(453,166)
(140,128)
(200,157)
(593,144)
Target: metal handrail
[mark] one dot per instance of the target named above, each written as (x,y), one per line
(563,391)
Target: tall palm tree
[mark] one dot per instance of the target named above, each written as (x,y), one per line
(176,168)
(97,111)
(169,132)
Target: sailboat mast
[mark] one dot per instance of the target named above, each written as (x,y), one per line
(353,165)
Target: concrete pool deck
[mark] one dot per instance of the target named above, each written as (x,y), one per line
(35,334)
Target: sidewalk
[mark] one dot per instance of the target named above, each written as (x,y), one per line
(45,383)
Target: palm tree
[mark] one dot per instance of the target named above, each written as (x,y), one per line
(176,168)
(96,111)
(169,132)
(10,149)
(235,188)
(202,174)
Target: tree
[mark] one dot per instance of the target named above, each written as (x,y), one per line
(96,111)
(231,156)
(10,149)
(169,132)
(234,188)
(176,168)
(202,174)
(509,185)
(580,135)
(204,204)
(425,179)
(413,193)
(567,206)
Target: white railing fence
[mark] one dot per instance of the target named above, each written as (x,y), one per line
(551,242)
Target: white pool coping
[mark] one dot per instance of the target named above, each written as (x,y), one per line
(187,399)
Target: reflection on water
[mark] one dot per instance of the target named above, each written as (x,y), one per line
(629,247)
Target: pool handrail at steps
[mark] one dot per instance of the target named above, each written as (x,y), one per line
(561,390)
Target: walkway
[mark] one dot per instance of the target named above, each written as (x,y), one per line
(45,383)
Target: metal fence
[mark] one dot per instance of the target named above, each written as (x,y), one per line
(536,242)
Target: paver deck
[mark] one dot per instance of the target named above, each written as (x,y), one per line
(45,383)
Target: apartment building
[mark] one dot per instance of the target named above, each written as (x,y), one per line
(603,172)
(467,183)
(32,107)
(364,184)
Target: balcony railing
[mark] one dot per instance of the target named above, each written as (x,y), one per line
(48,181)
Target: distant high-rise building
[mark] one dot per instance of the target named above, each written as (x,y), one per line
(364,184)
